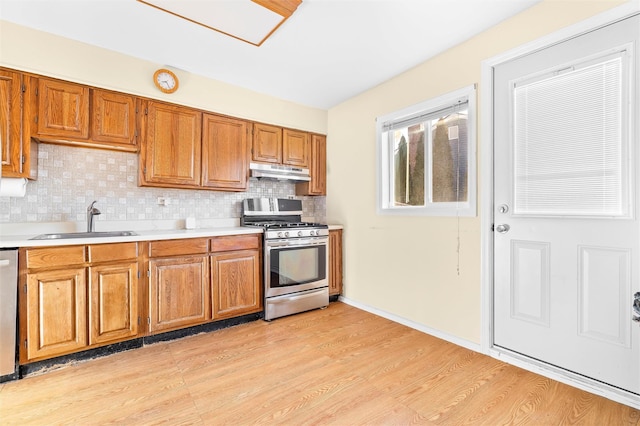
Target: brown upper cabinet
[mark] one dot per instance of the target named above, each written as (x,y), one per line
(74,114)
(276,145)
(224,153)
(184,148)
(170,152)
(317,169)
(19,153)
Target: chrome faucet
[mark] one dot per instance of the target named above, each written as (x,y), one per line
(91,212)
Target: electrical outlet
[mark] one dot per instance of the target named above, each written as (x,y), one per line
(163,201)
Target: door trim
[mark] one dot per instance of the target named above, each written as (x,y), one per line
(487,200)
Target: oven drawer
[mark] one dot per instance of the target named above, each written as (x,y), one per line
(293,303)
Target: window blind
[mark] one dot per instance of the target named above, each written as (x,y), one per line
(569,143)
(423,116)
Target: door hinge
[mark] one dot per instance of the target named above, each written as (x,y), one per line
(493,227)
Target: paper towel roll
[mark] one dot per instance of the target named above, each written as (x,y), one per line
(13,187)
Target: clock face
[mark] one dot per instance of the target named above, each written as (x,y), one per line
(166,81)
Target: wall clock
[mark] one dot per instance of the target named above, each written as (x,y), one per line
(166,81)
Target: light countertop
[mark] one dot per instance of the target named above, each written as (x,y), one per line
(14,241)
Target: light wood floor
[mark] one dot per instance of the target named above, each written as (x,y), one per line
(337,366)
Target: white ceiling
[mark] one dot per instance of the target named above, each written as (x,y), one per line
(327,52)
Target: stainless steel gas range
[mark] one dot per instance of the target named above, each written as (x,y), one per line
(296,266)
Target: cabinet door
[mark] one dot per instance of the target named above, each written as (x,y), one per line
(295,148)
(63,110)
(180,292)
(11,122)
(171,146)
(267,144)
(113,119)
(237,289)
(113,302)
(317,169)
(335,262)
(56,313)
(224,153)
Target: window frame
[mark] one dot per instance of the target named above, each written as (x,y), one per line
(384,161)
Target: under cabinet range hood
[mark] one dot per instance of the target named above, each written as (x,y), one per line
(279,172)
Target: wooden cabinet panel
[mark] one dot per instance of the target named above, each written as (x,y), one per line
(63,110)
(236,283)
(51,257)
(113,302)
(317,168)
(178,247)
(235,242)
(224,153)
(171,147)
(266,144)
(56,313)
(180,292)
(113,119)
(111,252)
(11,122)
(335,262)
(295,148)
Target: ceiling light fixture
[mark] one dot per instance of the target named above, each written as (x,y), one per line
(252,21)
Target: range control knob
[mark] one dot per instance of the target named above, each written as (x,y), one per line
(299,233)
(312,233)
(279,234)
(286,234)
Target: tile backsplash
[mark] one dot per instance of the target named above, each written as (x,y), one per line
(69,179)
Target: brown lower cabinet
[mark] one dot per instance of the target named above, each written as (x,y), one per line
(74,298)
(77,297)
(335,262)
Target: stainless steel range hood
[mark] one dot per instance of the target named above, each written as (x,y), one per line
(279,172)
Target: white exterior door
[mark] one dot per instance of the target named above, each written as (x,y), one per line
(567,234)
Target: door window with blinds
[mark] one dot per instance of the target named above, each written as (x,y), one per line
(426,157)
(571,139)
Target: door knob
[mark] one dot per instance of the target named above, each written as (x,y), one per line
(636,307)
(503,228)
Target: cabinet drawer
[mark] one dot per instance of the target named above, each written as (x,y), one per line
(178,247)
(55,256)
(235,242)
(109,252)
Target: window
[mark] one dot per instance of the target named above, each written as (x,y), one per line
(426,157)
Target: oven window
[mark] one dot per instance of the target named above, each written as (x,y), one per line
(291,266)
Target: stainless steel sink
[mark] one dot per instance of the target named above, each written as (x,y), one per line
(66,235)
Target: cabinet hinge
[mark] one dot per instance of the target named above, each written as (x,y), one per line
(25,289)
(23,159)
(149,320)
(146,111)
(25,343)
(148,271)
(35,119)
(139,320)
(36,91)
(24,87)
(138,277)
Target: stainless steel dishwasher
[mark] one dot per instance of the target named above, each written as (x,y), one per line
(8,318)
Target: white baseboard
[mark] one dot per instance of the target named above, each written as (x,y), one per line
(416,326)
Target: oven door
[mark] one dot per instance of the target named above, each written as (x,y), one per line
(293,265)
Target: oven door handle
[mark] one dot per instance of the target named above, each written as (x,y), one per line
(297,244)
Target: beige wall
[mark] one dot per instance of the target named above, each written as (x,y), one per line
(26,49)
(411,266)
